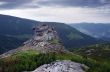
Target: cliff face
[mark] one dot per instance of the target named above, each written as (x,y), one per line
(44,40)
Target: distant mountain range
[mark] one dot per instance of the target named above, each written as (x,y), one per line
(21,30)
(97,30)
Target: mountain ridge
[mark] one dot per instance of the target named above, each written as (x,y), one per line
(97,30)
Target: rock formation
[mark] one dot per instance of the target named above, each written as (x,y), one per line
(42,33)
(62,66)
(44,40)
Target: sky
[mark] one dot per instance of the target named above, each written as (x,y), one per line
(66,11)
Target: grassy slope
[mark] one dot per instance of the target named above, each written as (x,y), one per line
(98,52)
(29,60)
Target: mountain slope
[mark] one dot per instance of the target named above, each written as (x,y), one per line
(22,29)
(99,30)
(8,43)
(15,26)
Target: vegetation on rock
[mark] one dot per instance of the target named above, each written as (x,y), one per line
(54,41)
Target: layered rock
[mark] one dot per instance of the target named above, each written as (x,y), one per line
(62,66)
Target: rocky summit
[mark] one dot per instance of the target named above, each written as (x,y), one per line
(62,66)
(44,40)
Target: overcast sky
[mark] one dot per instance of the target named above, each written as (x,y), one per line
(66,11)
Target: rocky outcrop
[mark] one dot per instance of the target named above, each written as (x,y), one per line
(62,66)
(42,34)
(44,40)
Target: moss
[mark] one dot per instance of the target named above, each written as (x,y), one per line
(54,41)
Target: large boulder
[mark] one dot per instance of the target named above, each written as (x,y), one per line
(62,66)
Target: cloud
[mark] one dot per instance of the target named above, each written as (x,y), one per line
(65,15)
(14,4)
(67,11)
(74,3)
(2,3)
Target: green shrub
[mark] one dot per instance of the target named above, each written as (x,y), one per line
(30,60)
(54,41)
(25,61)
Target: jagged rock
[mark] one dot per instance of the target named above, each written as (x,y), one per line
(42,33)
(62,66)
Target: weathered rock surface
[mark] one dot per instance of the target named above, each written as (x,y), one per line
(62,66)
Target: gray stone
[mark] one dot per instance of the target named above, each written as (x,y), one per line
(61,66)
